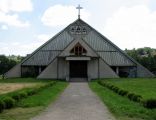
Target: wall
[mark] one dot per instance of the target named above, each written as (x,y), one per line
(93,69)
(14,72)
(143,72)
(105,71)
(63,68)
(50,72)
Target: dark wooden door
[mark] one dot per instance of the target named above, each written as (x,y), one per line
(78,69)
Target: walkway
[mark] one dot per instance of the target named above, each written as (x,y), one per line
(77,102)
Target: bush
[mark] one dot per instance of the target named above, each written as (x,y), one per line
(151,103)
(32,92)
(16,96)
(23,94)
(115,89)
(9,102)
(134,97)
(122,92)
(130,96)
(137,98)
(2,106)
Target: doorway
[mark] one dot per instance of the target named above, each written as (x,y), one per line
(78,69)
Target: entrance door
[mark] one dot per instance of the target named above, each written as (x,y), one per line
(78,69)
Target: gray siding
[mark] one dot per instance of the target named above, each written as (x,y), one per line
(41,58)
(107,51)
(59,43)
(115,59)
(98,43)
(49,51)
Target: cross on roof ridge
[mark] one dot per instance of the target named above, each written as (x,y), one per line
(79,8)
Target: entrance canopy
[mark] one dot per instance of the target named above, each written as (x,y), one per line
(78,58)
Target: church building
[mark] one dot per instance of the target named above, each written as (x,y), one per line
(78,51)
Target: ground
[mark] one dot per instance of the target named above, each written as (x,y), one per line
(77,102)
(9,87)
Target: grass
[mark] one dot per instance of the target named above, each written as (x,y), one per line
(44,97)
(33,105)
(145,87)
(23,80)
(121,107)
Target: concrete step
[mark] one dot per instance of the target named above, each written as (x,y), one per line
(78,80)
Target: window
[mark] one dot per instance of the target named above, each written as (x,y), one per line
(78,50)
(78,30)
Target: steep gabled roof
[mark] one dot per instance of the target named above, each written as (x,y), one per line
(109,52)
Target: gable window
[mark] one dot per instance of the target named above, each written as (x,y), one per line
(78,50)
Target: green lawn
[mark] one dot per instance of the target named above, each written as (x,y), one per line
(33,105)
(23,80)
(122,107)
(146,87)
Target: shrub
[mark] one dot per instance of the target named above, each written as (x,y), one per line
(136,98)
(151,103)
(9,102)
(115,89)
(130,96)
(23,94)
(16,96)
(122,92)
(2,106)
(31,92)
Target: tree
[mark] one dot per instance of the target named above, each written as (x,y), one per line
(145,56)
(6,64)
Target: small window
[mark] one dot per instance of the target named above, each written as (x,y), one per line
(78,50)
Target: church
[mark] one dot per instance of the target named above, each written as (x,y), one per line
(78,51)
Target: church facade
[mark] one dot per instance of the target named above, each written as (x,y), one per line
(78,51)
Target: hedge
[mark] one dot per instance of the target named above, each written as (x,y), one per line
(10,100)
(150,103)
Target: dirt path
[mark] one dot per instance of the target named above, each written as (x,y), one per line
(77,102)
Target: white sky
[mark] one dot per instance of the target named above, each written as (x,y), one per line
(27,24)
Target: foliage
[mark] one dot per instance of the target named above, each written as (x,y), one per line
(2,105)
(31,106)
(131,96)
(7,62)
(9,102)
(145,56)
(151,103)
(146,87)
(10,99)
(44,97)
(131,92)
(121,107)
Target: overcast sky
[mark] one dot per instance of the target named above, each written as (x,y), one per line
(27,24)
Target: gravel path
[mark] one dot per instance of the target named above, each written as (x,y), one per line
(77,102)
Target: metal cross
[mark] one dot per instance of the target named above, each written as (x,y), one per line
(79,8)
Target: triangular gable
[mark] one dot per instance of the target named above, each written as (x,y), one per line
(89,50)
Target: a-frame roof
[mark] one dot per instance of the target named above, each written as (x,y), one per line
(109,52)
